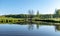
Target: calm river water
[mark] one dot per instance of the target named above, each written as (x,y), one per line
(29,30)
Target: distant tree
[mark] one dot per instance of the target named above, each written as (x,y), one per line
(31,13)
(57,12)
(38,14)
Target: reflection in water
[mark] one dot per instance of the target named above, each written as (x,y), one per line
(57,27)
(31,26)
(39,29)
(37,26)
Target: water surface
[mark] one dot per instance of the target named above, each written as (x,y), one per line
(28,30)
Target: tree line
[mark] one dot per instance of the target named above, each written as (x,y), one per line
(32,15)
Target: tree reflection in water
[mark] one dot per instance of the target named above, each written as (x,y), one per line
(31,26)
(57,27)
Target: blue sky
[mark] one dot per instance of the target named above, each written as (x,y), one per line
(22,6)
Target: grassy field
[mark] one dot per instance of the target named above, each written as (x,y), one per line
(17,20)
(11,20)
(56,19)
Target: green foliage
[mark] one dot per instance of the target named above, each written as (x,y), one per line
(37,15)
(57,12)
(31,15)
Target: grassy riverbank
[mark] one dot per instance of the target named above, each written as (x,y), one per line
(36,20)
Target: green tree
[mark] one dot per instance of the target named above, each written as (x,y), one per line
(38,15)
(31,13)
(57,12)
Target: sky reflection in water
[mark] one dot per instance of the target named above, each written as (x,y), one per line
(28,30)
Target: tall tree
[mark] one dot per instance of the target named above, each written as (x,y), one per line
(31,13)
(37,13)
(57,12)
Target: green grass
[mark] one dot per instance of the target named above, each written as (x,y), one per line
(11,20)
(14,20)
